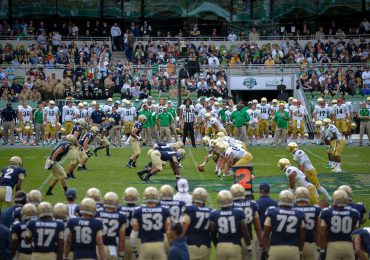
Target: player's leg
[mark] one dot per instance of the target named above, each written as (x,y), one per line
(339,147)
(294,130)
(136,152)
(312,177)
(362,132)
(83,161)
(59,175)
(74,159)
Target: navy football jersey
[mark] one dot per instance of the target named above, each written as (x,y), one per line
(139,127)
(311,214)
(77,128)
(250,207)
(88,136)
(364,233)
(175,207)
(163,147)
(112,223)
(340,222)
(17,215)
(9,176)
(228,225)
(128,211)
(360,208)
(105,128)
(65,147)
(167,156)
(45,235)
(198,232)
(19,230)
(152,223)
(285,226)
(84,233)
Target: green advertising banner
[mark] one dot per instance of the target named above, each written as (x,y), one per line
(23,8)
(131,8)
(112,8)
(218,8)
(84,8)
(339,7)
(165,9)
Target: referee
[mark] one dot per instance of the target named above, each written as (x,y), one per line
(187,121)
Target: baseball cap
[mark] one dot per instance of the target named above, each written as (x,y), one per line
(183,185)
(71,194)
(265,187)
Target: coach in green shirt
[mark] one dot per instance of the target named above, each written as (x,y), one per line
(240,119)
(281,119)
(38,119)
(364,115)
(222,113)
(164,120)
(146,132)
(173,112)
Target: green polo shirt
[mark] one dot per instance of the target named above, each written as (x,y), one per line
(280,121)
(239,118)
(153,119)
(148,116)
(164,119)
(172,111)
(364,112)
(39,116)
(222,114)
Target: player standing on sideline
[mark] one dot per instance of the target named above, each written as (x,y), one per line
(149,223)
(53,163)
(195,223)
(253,128)
(311,217)
(69,114)
(175,207)
(71,196)
(173,124)
(25,117)
(298,113)
(128,115)
(10,177)
(228,228)
(336,227)
(359,206)
(134,140)
(263,123)
(85,233)
(51,118)
(284,230)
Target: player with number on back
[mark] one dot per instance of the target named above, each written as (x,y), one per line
(287,230)
(242,201)
(336,226)
(311,216)
(359,206)
(46,234)
(84,234)
(195,223)
(228,228)
(149,223)
(114,224)
(10,177)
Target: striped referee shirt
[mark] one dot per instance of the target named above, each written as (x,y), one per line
(189,116)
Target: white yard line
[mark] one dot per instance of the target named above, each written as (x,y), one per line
(315,155)
(49,177)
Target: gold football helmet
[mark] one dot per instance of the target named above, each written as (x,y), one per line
(181,152)
(292,146)
(34,197)
(283,163)
(28,211)
(150,152)
(60,211)
(16,161)
(326,121)
(347,189)
(353,126)
(225,199)
(71,139)
(62,131)
(111,200)
(302,194)
(94,130)
(166,192)
(94,194)
(205,140)
(44,209)
(142,118)
(319,123)
(220,134)
(274,101)
(237,191)
(199,195)
(340,198)
(151,195)
(263,100)
(180,144)
(88,207)
(286,198)
(111,120)
(131,195)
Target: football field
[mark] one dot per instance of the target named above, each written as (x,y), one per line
(111,174)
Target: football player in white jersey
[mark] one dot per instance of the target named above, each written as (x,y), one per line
(229,123)
(289,107)
(216,125)
(337,143)
(25,117)
(160,106)
(341,116)
(51,118)
(91,108)
(128,115)
(348,134)
(107,108)
(82,110)
(263,122)
(236,156)
(298,112)
(274,107)
(69,114)
(253,130)
(297,179)
(216,109)
(319,114)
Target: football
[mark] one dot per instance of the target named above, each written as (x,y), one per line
(200,168)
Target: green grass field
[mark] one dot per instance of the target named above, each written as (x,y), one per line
(111,174)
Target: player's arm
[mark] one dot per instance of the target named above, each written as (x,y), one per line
(134,235)
(245,232)
(185,223)
(291,180)
(56,153)
(257,227)
(100,244)
(122,238)
(86,143)
(302,236)
(358,247)
(134,133)
(266,234)
(18,186)
(15,244)
(19,115)
(67,244)
(323,235)
(213,229)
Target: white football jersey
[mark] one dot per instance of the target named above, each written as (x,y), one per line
(51,114)
(321,113)
(228,114)
(296,111)
(300,179)
(107,109)
(340,111)
(90,110)
(26,113)
(160,109)
(254,115)
(83,113)
(235,152)
(333,129)
(69,113)
(265,110)
(214,122)
(128,114)
(302,159)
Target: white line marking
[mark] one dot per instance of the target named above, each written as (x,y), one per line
(45,182)
(317,156)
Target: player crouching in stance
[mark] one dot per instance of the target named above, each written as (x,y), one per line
(336,226)
(228,228)
(305,165)
(53,163)
(156,164)
(236,156)
(149,223)
(298,179)
(284,230)
(134,140)
(335,143)
(102,139)
(84,147)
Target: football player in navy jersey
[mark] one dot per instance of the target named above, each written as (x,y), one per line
(228,228)
(149,223)
(336,226)
(46,234)
(103,141)
(85,234)
(195,222)
(8,215)
(361,242)
(156,164)
(134,140)
(34,197)
(60,211)
(53,163)
(311,220)
(114,223)
(84,147)
(360,207)
(131,198)
(250,207)
(20,249)
(95,194)
(10,177)
(284,230)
